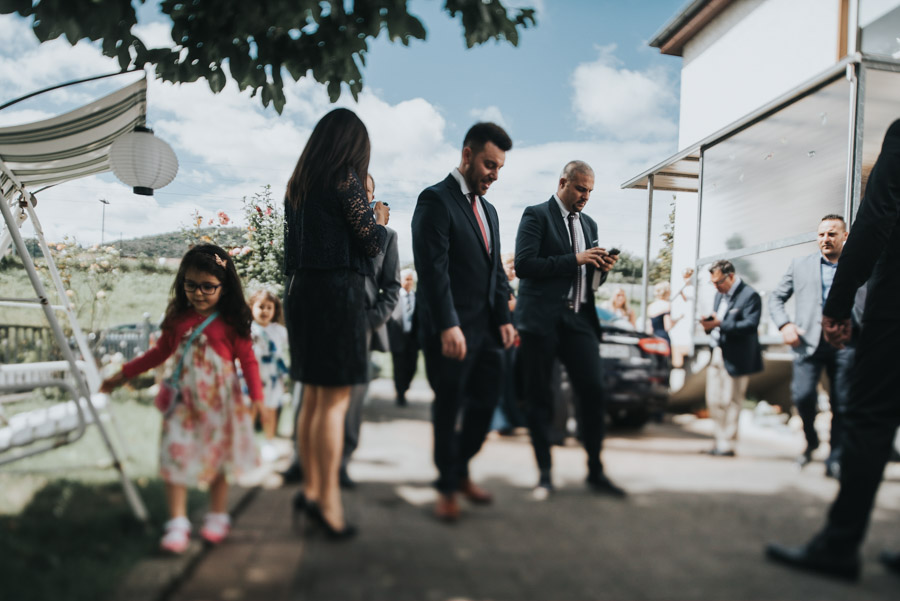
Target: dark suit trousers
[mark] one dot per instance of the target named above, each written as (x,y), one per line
(575,343)
(405,363)
(871,420)
(470,387)
(837,364)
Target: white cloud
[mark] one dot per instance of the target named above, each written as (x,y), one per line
(490,113)
(622,103)
(228,146)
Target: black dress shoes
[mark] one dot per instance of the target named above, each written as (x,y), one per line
(813,558)
(293,474)
(806,458)
(600,484)
(345,481)
(890,560)
(715,452)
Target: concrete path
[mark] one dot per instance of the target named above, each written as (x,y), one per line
(693,526)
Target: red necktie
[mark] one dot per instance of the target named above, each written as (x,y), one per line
(478,219)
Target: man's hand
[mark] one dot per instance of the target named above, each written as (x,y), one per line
(710,324)
(790,334)
(508,334)
(453,343)
(837,332)
(608,261)
(591,256)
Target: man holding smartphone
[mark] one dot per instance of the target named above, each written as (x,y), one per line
(556,318)
(736,353)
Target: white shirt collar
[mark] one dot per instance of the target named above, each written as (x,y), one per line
(734,287)
(564,211)
(458,176)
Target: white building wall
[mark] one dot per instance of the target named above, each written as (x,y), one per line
(753,52)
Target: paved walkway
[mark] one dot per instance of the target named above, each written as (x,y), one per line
(693,526)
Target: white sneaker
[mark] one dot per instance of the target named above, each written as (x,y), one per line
(216,527)
(540,493)
(177,536)
(268,452)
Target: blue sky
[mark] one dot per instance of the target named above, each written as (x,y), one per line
(582,84)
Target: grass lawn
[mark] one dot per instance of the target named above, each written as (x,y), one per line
(134,294)
(66,530)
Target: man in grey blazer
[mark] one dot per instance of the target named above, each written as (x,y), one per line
(808,280)
(382,294)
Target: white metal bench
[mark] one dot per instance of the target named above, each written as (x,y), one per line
(60,422)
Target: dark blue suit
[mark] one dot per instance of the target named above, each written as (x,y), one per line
(739,338)
(460,284)
(550,329)
(736,355)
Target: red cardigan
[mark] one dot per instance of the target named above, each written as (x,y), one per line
(221,336)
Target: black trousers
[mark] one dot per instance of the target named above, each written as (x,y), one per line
(838,366)
(574,341)
(405,362)
(871,421)
(465,396)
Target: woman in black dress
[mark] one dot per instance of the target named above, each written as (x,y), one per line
(331,235)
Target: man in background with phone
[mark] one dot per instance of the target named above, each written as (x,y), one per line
(736,353)
(558,273)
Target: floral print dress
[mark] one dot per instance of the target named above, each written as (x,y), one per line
(209,431)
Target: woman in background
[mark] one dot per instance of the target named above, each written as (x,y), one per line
(619,306)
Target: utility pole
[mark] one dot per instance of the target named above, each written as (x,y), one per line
(103,222)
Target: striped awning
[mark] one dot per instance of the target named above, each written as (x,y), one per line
(72,145)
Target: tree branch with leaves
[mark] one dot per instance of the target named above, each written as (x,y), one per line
(257,43)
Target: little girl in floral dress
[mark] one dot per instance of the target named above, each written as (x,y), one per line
(207,431)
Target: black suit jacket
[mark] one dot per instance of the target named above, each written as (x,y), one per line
(383,292)
(460,283)
(546,267)
(872,251)
(739,338)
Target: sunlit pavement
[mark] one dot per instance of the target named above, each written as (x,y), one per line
(693,526)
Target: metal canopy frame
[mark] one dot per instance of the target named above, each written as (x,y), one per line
(60,149)
(683,171)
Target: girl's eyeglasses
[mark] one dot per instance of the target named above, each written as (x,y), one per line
(205,287)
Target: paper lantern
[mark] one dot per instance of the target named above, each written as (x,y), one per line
(143,161)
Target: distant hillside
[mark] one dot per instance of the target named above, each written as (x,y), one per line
(173,244)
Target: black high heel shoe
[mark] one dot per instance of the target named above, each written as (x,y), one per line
(315,514)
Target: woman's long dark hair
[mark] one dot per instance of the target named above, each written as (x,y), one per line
(338,142)
(232,307)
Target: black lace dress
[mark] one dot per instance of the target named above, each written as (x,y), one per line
(329,244)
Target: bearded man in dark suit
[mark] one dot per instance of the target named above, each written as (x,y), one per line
(559,268)
(462,310)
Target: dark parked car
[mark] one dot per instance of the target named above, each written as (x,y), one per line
(636,373)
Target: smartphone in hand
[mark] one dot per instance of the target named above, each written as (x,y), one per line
(613,251)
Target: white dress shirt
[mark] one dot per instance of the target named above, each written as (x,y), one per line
(466,192)
(579,233)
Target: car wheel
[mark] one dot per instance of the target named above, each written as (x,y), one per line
(634,419)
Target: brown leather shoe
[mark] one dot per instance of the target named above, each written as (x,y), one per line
(475,493)
(447,508)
